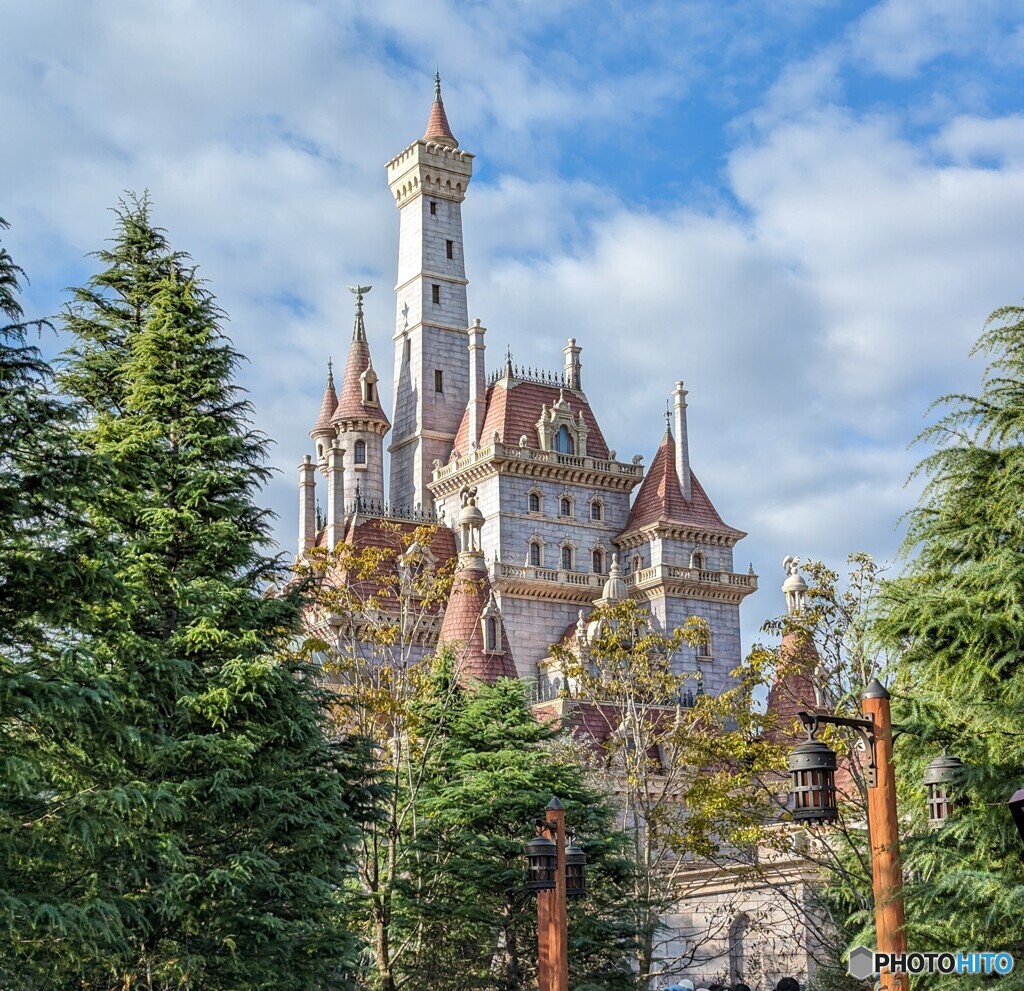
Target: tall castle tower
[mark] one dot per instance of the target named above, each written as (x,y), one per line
(429,181)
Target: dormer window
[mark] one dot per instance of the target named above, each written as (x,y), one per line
(492,638)
(493,632)
(564,443)
(368,392)
(360,452)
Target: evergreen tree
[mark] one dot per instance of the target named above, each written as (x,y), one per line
(957,615)
(59,734)
(493,770)
(239,830)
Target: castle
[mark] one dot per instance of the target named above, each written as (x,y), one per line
(560,513)
(540,517)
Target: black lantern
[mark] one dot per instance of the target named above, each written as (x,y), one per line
(812,767)
(941,777)
(575,870)
(1016,804)
(542,858)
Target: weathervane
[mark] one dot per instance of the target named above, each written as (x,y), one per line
(359,292)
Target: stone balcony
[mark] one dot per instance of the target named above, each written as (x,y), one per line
(584,587)
(532,461)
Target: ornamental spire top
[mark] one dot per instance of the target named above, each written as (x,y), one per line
(359,330)
(438,130)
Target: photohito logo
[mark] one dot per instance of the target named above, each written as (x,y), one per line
(865,963)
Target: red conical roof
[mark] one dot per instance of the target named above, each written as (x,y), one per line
(437,123)
(327,406)
(350,405)
(463,630)
(660,499)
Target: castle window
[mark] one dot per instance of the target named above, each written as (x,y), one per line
(319,450)
(597,562)
(360,456)
(565,506)
(438,380)
(449,248)
(491,634)
(697,560)
(704,648)
(433,208)
(367,392)
(596,511)
(534,502)
(563,441)
(636,564)
(408,350)
(534,554)
(435,294)
(567,558)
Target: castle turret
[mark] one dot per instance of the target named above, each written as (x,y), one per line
(358,419)
(429,181)
(323,432)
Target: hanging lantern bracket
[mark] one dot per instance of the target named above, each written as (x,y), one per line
(865,729)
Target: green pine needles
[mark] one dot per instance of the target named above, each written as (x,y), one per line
(178,800)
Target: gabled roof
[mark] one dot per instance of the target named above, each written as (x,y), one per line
(660,498)
(327,406)
(437,123)
(513,409)
(350,402)
(463,630)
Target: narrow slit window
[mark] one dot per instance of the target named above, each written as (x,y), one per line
(438,380)
(449,247)
(435,294)
(433,208)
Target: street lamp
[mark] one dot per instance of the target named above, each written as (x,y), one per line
(812,767)
(555,873)
(941,778)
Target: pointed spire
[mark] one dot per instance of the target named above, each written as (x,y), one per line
(327,406)
(668,419)
(359,330)
(438,130)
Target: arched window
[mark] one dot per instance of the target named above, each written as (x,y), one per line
(491,628)
(534,554)
(597,562)
(596,511)
(565,506)
(697,560)
(360,456)
(567,558)
(737,950)
(636,564)
(563,440)
(534,502)
(319,450)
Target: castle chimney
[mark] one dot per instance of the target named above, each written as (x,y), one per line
(477,381)
(682,445)
(307,505)
(572,365)
(335,494)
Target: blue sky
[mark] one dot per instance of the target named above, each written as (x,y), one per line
(803,209)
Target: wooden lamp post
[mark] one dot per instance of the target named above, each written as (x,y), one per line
(549,864)
(812,766)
